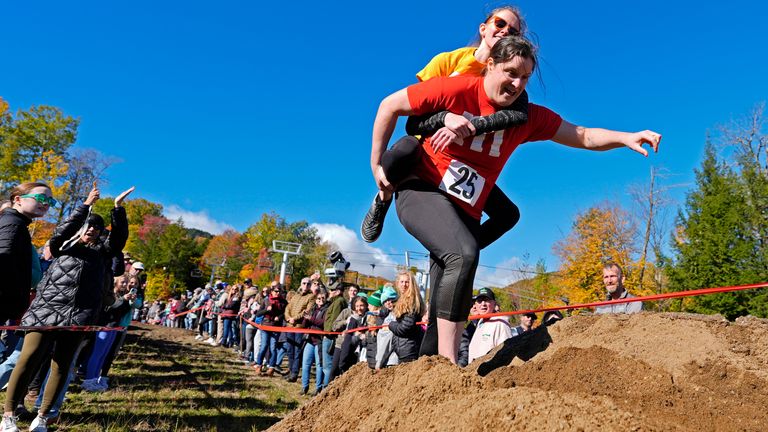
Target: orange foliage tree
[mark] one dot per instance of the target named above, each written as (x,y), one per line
(600,234)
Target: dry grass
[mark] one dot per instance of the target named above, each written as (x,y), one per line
(164,380)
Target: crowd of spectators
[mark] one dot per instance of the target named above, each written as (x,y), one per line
(78,280)
(285,333)
(82,278)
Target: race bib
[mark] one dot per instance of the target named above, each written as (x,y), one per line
(463,182)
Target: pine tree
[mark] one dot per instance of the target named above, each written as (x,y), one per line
(714,245)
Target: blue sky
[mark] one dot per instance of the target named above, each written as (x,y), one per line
(223,111)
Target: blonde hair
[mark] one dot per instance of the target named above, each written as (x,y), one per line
(410,302)
(118,282)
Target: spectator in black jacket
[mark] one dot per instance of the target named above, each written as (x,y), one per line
(71,293)
(353,341)
(28,201)
(372,319)
(314,320)
(408,311)
(273,310)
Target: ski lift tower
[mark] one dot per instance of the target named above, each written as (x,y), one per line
(285,248)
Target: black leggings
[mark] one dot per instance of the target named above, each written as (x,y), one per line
(452,237)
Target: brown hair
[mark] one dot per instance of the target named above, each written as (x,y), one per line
(24,188)
(515,11)
(509,47)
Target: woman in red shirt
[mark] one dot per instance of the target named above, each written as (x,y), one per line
(441,201)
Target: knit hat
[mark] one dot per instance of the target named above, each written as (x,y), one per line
(388,294)
(374,299)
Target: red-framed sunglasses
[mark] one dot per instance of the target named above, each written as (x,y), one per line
(501,23)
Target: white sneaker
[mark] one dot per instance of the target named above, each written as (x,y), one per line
(199,337)
(209,340)
(39,424)
(92,385)
(9,424)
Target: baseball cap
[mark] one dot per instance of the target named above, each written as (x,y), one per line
(485,292)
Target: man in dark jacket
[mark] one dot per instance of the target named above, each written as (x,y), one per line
(336,304)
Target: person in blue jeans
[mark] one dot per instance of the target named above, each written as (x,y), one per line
(314,319)
(272,311)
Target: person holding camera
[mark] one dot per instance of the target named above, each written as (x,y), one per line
(336,304)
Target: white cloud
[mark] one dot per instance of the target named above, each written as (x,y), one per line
(199,220)
(503,273)
(360,254)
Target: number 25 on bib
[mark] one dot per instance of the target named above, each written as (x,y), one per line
(463,182)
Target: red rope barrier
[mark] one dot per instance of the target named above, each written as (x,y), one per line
(63,328)
(677,294)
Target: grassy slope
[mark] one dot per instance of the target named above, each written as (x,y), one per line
(164,380)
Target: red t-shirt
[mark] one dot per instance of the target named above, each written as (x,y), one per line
(468,172)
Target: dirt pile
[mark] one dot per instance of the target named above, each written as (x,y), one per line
(639,373)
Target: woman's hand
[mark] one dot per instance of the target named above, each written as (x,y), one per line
(93,195)
(443,137)
(636,140)
(459,125)
(381,180)
(121,197)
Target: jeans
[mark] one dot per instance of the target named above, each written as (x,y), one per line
(250,334)
(312,354)
(328,344)
(268,342)
(276,357)
(293,349)
(101,347)
(234,332)
(227,336)
(7,367)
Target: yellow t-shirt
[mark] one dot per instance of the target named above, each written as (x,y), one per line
(458,62)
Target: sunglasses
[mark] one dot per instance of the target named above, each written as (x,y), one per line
(501,23)
(41,198)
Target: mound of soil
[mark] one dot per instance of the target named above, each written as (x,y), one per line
(642,372)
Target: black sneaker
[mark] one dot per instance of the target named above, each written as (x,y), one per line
(374,219)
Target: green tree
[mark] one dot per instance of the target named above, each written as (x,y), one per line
(170,248)
(271,227)
(714,243)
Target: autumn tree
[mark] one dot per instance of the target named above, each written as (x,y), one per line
(271,226)
(599,234)
(225,248)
